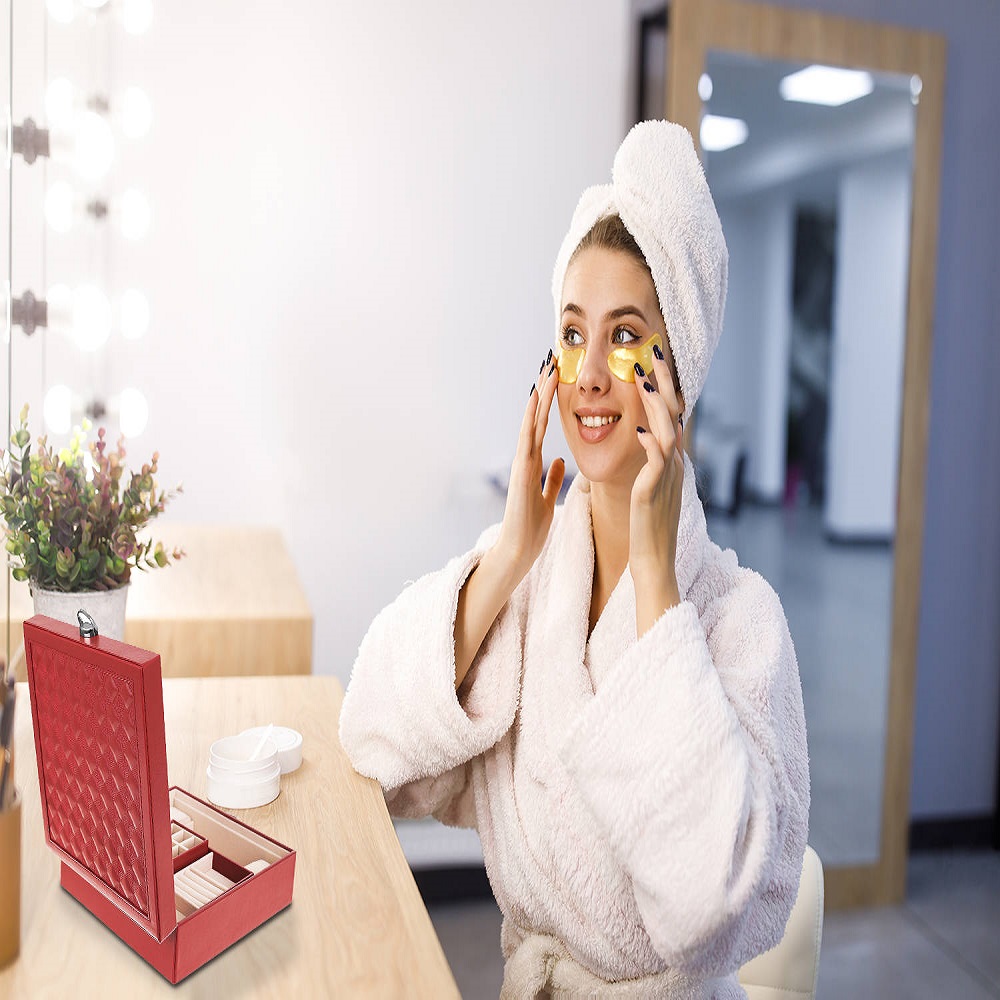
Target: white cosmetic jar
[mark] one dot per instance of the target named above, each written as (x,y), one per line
(231,754)
(289,742)
(243,791)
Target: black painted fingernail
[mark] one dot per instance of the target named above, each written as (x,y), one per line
(549,358)
(648,387)
(551,370)
(657,352)
(639,370)
(641,430)
(541,367)
(531,390)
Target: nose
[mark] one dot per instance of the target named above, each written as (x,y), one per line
(594,375)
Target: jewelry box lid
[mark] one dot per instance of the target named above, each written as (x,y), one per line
(97,712)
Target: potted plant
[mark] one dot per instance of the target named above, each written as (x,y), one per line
(71,520)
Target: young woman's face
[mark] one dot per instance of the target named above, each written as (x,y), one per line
(608,301)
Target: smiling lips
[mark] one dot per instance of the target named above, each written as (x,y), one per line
(596,427)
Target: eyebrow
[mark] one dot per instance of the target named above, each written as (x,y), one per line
(613,314)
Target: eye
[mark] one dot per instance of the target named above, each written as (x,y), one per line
(624,336)
(568,335)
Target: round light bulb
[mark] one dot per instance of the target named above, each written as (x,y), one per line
(135,214)
(137,15)
(134,313)
(60,10)
(133,414)
(57,409)
(60,308)
(705,87)
(95,145)
(91,317)
(60,97)
(59,206)
(136,113)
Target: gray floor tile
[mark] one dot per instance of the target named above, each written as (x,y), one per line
(955,895)
(883,955)
(469,933)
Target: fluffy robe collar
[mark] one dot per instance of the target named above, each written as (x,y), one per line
(577,536)
(558,679)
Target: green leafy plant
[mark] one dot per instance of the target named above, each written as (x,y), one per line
(72,516)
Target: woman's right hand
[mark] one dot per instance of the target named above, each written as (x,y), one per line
(530,508)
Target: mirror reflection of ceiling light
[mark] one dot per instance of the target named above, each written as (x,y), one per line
(65,207)
(133,412)
(91,317)
(60,10)
(133,312)
(95,145)
(135,112)
(60,206)
(705,87)
(719,133)
(57,409)
(60,99)
(134,214)
(916,85)
(827,85)
(84,314)
(137,15)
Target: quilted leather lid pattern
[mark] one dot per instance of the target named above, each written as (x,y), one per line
(97,707)
(86,718)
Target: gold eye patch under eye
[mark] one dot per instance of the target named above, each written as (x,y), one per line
(570,363)
(621,361)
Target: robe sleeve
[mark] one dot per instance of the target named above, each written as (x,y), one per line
(692,757)
(402,722)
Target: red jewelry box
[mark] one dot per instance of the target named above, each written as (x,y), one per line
(97,711)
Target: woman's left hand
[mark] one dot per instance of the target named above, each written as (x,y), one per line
(656,495)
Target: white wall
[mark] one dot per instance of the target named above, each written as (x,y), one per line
(357,211)
(869,335)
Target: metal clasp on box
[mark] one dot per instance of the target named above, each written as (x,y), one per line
(88,627)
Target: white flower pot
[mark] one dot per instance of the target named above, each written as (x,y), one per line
(106,607)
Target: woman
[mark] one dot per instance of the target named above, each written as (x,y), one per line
(600,690)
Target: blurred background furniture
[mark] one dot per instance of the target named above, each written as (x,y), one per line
(720,457)
(234,605)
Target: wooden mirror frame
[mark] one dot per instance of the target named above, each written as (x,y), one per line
(786,34)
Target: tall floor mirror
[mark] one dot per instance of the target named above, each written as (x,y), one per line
(821,382)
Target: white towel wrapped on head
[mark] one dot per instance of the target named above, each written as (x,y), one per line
(659,190)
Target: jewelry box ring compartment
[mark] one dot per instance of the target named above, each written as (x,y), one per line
(187,846)
(97,713)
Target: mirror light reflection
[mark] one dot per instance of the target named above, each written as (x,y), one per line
(798,430)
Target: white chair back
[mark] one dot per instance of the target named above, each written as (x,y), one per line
(789,971)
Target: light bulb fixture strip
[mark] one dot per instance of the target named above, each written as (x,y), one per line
(31,141)
(96,409)
(29,313)
(99,104)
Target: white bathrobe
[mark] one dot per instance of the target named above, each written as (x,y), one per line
(643,805)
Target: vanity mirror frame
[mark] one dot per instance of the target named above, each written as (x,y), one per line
(790,35)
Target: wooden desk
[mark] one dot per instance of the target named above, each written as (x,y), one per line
(233,605)
(357,926)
